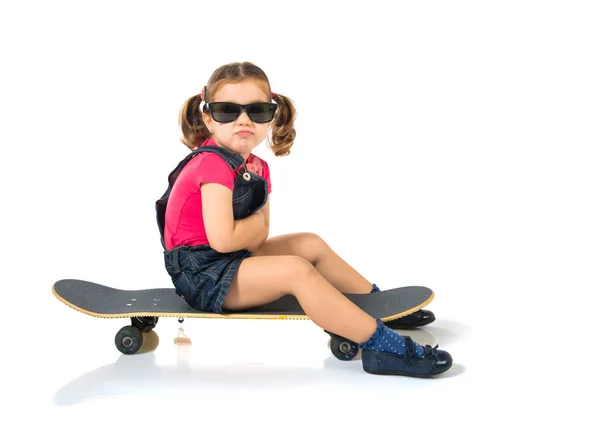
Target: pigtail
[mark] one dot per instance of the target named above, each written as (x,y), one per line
(283,133)
(194,131)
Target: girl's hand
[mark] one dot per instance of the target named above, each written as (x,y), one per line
(263,215)
(257,243)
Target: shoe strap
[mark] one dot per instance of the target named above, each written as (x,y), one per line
(410,346)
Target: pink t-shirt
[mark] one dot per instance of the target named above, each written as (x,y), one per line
(184,224)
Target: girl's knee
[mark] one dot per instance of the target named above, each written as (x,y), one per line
(313,247)
(314,241)
(301,271)
(300,267)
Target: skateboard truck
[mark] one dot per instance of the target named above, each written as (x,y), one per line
(182,340)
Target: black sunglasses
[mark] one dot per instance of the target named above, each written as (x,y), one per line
(226,112)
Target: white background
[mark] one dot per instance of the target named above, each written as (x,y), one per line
(445,144)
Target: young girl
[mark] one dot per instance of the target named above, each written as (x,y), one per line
(218,255)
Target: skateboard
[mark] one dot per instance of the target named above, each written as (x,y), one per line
(145,306)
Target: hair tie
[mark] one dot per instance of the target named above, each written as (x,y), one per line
(272,95)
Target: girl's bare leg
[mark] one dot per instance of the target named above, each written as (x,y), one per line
(316,251)
(260,280)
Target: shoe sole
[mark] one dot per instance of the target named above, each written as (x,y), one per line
(408,326)
(385,359)
(402,373)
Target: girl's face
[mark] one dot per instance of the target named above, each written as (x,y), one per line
(228,135)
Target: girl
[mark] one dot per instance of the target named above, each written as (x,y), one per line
(218,255)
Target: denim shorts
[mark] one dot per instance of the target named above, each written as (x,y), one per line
(202,275)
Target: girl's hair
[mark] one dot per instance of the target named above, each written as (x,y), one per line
(195,131)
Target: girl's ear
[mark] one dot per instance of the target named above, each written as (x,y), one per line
(207,120)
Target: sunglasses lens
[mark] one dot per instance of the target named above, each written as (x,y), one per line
(261,112)
(224,112)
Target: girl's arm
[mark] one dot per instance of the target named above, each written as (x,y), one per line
(262,237)
(259,241)
(265,210)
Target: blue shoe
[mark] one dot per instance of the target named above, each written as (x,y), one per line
(414,320)
(432,363)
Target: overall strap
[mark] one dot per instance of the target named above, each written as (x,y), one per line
(234,160)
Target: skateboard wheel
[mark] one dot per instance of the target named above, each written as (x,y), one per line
(129,339)
(342,348)
(150,342)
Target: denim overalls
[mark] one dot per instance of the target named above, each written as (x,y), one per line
(202,275)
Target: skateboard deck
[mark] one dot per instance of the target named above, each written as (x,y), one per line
(103,301)
(145,306)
